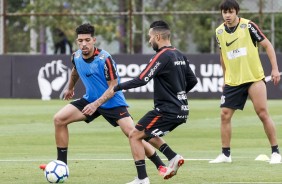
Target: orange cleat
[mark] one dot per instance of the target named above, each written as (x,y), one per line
(162,170)
(43,166)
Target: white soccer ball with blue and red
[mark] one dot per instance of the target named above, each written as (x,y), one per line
(56,171)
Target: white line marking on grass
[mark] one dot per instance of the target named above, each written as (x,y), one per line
(86,159)
(249,182)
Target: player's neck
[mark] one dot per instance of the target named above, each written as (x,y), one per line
(234,23)
(164,44)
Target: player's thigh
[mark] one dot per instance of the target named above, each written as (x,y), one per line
(258,95)
(68,114)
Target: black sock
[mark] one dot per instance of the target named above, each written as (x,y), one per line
(167,151)
(226,151)
(156,160)
(275,149)
(62,154)
(141,169)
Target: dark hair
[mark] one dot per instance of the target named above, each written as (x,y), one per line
(162,27)
(159,25)
(85,29)
(228,5)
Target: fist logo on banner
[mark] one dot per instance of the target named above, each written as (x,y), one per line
(53,79)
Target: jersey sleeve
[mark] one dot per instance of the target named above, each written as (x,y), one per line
(255,32)
(152,69)
(155,65)
(110,69)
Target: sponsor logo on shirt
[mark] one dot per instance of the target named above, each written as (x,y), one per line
(254,31)
(102,56)
(181,116)
(237,53)
(106,71)
(152,71)
(179,63)
(220,31)
(89,74)
(184,108)
(230,43)
(181,95)
(243,26)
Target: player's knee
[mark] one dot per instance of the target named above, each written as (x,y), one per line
(58,121)
(263,114)
(225,115)
(127,132)
(133,134)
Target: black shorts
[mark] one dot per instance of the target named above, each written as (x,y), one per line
(235,97)
(111,115)
(157,124)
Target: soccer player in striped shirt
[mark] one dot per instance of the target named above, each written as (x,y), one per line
(173,78)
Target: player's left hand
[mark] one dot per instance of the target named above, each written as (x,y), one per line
(275,77)
(89,109)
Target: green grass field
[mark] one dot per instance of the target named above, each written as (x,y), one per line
(100,154)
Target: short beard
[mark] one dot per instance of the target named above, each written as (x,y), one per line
(85,53)
(155,47)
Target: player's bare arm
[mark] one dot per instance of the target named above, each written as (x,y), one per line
(275,75)
(68,94)
(109,93)
(222,66)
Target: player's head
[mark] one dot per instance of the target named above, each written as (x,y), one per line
(229,5)
(85,38)
(159,31)
(85,29)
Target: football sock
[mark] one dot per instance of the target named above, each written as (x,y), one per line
(156,160)
(62,154)
(167,151)
(275,149)
(141,169)
(226,151)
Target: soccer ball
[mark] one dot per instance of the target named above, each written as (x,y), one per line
(56,171)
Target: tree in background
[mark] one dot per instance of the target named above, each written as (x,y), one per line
(192,32)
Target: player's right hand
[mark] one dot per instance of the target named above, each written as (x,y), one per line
(68,94)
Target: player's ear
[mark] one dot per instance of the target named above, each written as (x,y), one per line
(158,36)
(94,39)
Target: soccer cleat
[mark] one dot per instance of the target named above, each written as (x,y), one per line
(275,158)
(173,166)
(138,181)
(43,166)
(162,170)
(221,159)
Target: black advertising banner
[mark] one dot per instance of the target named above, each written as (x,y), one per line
(46,77)
(5,77)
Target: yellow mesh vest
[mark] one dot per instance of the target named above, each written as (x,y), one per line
(240,56)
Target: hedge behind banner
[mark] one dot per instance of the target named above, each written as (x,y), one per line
(45,77)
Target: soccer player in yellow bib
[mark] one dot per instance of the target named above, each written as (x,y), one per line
(238,39)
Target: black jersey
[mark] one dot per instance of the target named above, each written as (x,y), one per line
(173,78)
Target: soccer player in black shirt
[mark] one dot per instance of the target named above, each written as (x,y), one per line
(173,78)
